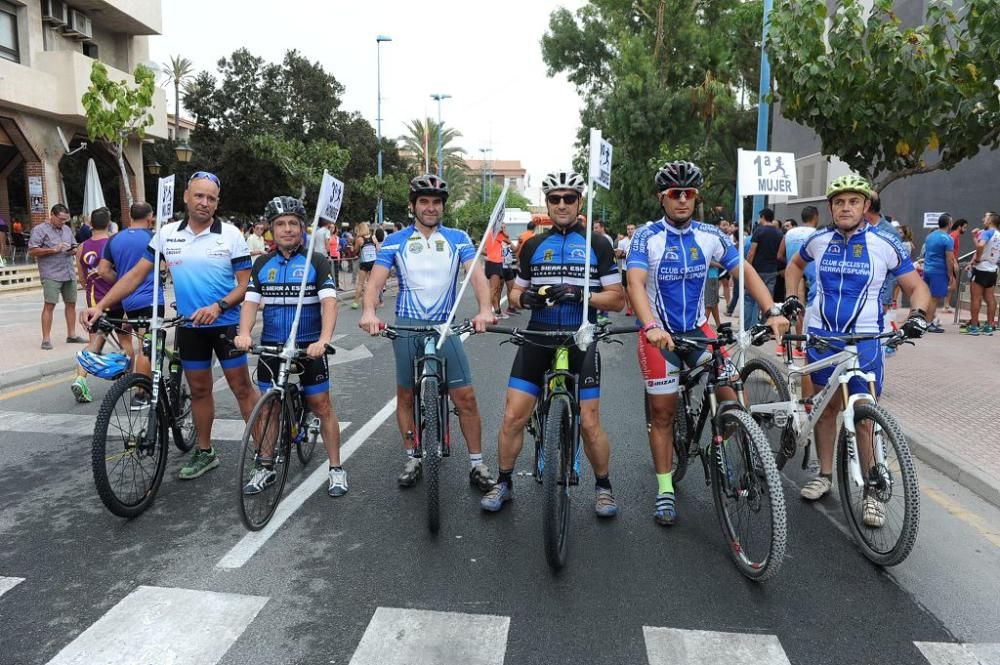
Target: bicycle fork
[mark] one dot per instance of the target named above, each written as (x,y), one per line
(857,476)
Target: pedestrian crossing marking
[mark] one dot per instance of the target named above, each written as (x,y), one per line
(952,653)
(672,646)
(8,583)
(398,636)
(83,425)
(164,625)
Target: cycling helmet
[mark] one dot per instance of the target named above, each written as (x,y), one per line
(428,184)
(108,366)
(849,183)
(678,174)
(284,205)
(564,180)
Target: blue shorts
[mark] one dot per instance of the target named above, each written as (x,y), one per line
(937,282)
(870,354)
(410,345)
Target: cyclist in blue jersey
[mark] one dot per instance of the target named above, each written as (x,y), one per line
(668,266)
(551,276)
(274,283)
(853,261)
(427,257)
(210,265)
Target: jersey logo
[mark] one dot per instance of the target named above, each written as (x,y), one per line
(858,251)
(416,248)
(694,253)
(577,253)
(547,256)
(834,249)
(272,274)
(298,272)
(439,245)
(671,255)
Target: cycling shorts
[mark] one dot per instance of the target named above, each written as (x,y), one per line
(985,278)
(314,379)
(532,362)
(494,269)
(197,345)
(661,369)
(410,345)
(871,356)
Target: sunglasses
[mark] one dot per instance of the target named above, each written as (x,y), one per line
(556,199)
(675,193)
(205,175)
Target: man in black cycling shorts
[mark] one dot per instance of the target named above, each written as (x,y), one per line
(274,283)
(550,282)
(210,265)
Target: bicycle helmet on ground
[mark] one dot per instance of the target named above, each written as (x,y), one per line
(678,173)
(107,366)
(564,180)
(849,183)
(428,184)
(284,205)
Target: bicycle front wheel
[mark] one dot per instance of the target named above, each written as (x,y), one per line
(307,445)
(264,460)
(884,514)
(430,442)
(763,383)
(681,436)
(185,421)
(557,451)
(749,499)
(127,460)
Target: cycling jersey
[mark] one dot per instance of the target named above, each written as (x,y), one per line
(427,270)
(850,273)
(990,257)
(274,283)
(794,239)
(203,266)
(677,262)
(368,250)
(123,251)
(559,258)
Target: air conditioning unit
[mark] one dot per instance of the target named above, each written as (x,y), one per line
(54,12)
(78,25)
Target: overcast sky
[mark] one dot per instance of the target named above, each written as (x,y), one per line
(486,55)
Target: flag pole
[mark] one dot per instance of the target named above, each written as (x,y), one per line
(584,335)
(321,200)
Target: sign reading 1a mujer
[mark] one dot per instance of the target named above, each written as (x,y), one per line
(768,173)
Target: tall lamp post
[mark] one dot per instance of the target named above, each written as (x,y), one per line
(484,151)
(438,97)
(763,108)
(378,118)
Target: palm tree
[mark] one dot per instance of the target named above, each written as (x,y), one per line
(179,72)
(421,142)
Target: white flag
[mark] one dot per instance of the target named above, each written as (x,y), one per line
(496,217)
(600,159)
(165,199)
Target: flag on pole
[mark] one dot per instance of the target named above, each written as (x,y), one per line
(331,196)
(600,159)
(496,217)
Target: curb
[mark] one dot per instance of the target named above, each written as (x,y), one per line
(958,470)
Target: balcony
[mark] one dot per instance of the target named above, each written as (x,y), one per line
(132,17)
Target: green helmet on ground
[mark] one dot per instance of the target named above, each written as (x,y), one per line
(849,183)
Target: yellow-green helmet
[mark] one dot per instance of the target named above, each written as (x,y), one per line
(849,183)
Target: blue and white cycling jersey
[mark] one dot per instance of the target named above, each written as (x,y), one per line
(849,275)
(677,261)
(427,269)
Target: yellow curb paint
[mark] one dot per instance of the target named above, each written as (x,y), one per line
(986,530)
(36,386)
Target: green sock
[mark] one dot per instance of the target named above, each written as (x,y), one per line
(665,481)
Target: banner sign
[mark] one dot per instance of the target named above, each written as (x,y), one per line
(496,217)
(331,196)
(767,173)
(600,159)
(165,199)
(931,219)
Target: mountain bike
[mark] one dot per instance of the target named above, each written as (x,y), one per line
(431,412)
(875,469)
(129,445)
(738,465)
(557,430)
(279,420)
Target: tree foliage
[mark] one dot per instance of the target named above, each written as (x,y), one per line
(888,100)
(472,216)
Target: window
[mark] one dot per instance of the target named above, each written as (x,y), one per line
(8,32)
(812,176)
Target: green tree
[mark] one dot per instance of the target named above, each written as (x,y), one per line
(302,163)
(179,72)
(472,216)
(421,141)
(117,110)
(891,102)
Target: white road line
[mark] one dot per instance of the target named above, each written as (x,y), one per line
(8,583)
(161,625)
(672,646)
(251,542)
(950,653)
(83,425)
(420,637)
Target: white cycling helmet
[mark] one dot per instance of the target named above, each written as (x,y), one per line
(564,180)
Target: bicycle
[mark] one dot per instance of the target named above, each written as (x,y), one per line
(890,480)
(138,419)
(279,420)
(737,462)
(431,414)
(556,431)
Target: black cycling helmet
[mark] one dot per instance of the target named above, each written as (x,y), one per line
(428,184)
(679,173)
(284,205)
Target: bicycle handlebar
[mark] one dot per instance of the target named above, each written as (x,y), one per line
(601,333)
(268,350)
(392,330)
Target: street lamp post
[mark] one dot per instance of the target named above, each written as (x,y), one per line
(438,96)
(484,151)
(378,118)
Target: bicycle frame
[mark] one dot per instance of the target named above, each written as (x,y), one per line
(430,365)
(561,381)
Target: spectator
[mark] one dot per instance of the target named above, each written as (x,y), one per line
(621,253)
(85,230)
(525,236)
(494,266)
(322,246)
(958,229)
(725,279)
(884,227)
(984,275)
(333,248)
(255,241)
(51,245)
(763,256)
(94,288)
(939,268)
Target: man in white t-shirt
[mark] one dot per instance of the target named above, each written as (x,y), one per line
(621,253)
(984,275)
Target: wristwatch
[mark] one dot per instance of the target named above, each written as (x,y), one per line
(774,311)
(223,305)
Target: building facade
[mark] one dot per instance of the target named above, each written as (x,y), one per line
(47,48)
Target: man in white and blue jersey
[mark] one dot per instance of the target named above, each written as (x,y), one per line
(210,265)
(427,257)
(853,262)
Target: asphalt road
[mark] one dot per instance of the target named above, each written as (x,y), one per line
(359,579)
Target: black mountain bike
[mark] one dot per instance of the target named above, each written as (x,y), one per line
(129,446)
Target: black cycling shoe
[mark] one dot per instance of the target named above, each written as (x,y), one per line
(481,478)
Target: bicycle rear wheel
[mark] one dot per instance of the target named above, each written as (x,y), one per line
(557,451)
(185,421)
(681,444)
(266,445)
(430,443)
(892,485)
(307,445)
(749,499)
(127,460)
(763,383)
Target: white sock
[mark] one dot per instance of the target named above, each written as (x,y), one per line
(475,459)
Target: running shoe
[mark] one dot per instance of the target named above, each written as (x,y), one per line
(80,390)
(816,488)
(338,483)
(411,472)
(481,478)
(200,462)
(500,494)
(262,478)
